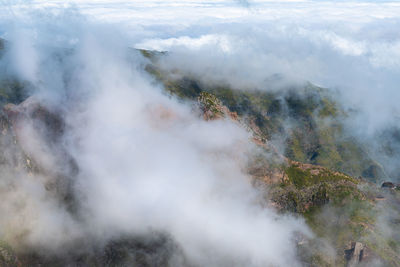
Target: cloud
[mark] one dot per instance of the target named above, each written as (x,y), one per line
(243,3)
(129,161)
(146,162)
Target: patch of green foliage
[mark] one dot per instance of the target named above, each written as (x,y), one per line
(7,255)
(209,103)
(302,178)
(146,53)
(12,91)
(296,145)
(184,88)
(156,73)
(299,177)
(328,109)
(151,54)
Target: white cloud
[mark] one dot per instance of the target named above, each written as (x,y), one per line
(147,163)
(156,171)
(217,41)
(349,45)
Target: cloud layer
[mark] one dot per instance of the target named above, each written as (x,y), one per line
(351,46)
(126,160)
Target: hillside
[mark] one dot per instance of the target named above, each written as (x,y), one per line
(305,163)
(317,170)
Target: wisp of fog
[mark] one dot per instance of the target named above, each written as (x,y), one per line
(122,159)
(127,160)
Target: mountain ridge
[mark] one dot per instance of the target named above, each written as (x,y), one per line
(308,178)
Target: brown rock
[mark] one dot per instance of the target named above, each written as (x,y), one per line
(354,255)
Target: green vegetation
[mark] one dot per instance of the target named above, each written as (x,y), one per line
(210,105)
(328,109)
(12,91)
(305,119)
(152,55)
(318,182)
(304,177)
(7,255)
(309,187)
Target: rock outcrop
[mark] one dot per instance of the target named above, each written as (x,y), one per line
(354,255)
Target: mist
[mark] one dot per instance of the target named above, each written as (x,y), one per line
(121,159)
(278,45)
(126,161)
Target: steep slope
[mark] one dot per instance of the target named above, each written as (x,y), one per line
(304,162)
(311,166)
(343,211)
(304,120)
